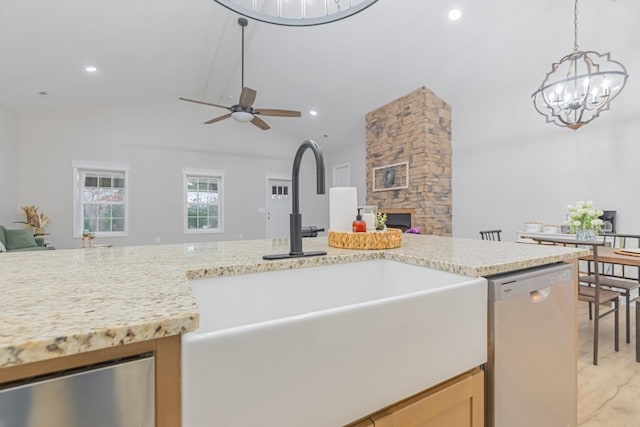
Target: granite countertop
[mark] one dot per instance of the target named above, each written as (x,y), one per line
(63,302)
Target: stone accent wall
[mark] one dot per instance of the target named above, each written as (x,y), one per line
(415,128)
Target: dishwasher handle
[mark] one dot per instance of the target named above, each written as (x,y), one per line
(540,294)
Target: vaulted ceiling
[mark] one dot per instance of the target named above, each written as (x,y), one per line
(163,49)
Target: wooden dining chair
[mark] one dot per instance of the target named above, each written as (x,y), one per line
(620,278)
(623,241)
(638,330)
(490,235)
(595,294)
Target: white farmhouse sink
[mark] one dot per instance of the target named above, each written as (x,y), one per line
(324,346)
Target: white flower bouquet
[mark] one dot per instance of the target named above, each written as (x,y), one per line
(584,216)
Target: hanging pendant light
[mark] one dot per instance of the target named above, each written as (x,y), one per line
(579,86)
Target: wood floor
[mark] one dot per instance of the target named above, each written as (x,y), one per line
(608,394)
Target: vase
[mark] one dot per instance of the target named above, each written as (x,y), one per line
(585,235)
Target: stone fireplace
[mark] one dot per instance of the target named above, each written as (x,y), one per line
(409,160)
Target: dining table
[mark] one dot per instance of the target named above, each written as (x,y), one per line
(602,253)
(617,256)
(614,256)
(599,253)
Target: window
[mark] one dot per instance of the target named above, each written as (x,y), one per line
(203,201)
(279,191)
(100,199)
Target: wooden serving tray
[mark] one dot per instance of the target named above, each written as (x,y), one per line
(388,239)
(629,251)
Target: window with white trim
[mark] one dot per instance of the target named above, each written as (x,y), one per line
(100,199)
(203,200)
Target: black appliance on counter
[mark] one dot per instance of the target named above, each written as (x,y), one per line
(609,217)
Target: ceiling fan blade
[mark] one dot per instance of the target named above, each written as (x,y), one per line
(247,97)
(217,119)
(260,123)
(279,113)
(205,103)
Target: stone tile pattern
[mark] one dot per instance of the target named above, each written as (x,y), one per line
(63,302)
(414,128)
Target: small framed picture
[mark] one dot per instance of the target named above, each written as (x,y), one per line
(391,177)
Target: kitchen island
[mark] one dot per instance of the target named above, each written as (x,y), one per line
(67,303)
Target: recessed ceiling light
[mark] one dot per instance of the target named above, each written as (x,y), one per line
(91,69)
(455,14)
(313,112)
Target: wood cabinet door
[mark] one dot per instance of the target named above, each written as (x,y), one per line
(456,403)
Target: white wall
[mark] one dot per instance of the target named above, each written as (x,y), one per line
(9,209)
(156,139)
(509,167)
(339,152)
(354,154)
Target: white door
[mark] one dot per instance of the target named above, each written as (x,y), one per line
(278,208)
(342,175)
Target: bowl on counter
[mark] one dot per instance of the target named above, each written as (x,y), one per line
(551,229)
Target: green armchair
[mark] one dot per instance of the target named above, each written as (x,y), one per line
(21,240)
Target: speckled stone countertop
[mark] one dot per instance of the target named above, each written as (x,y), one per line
(63,302)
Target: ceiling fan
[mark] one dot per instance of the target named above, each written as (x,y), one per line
(244,111)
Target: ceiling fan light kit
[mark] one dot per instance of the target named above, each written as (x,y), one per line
(242,116)
(244,111)
(580,86)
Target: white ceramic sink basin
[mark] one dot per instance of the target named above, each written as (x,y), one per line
(327,345)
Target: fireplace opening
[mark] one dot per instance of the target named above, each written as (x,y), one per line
(399,218)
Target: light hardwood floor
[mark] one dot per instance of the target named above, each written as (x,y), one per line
(608,394)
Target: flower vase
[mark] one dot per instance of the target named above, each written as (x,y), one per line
(585,235)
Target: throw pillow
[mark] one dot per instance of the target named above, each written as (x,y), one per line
(2,248)
(18,239)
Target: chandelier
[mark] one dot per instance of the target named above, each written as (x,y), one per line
(579,86)
(296,12)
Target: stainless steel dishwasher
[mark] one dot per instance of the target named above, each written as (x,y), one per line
(109,395)
(531,370)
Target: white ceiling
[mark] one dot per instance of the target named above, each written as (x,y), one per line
(163,49)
